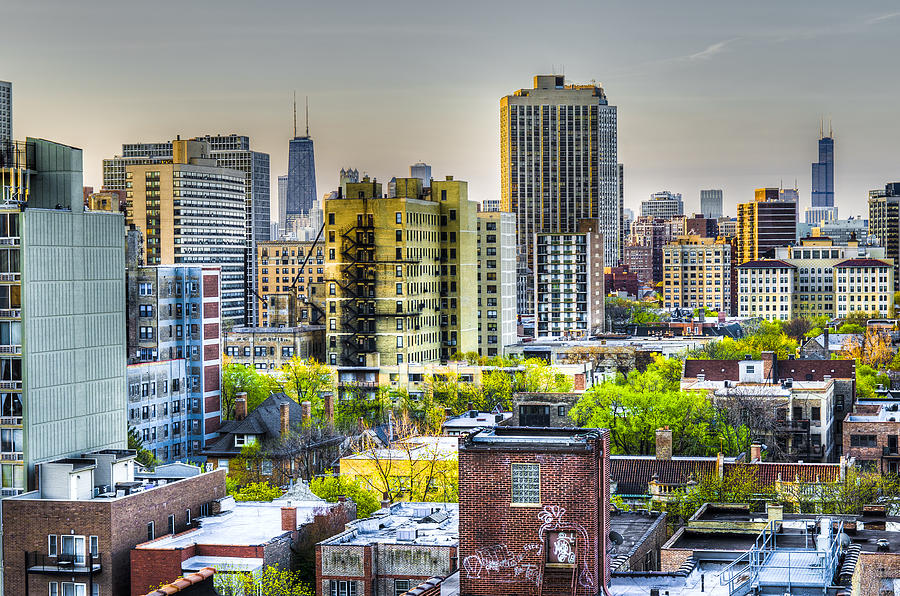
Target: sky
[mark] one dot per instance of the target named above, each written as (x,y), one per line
(710,94)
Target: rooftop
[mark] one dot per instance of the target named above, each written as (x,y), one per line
(532,438)
(474,418)
(875,411)
(245,523)
(430,447)
(425,524)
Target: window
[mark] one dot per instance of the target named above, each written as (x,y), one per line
(171,524)
(95,589)
(399,341)
(560,411)
(398,217)
(151,532)
(72,589)
(54,588)
(534,415)
(863,441)
(94,545)
(331,219)
(526,483)
(401,586)
(187,517)
(72,548)
(52,545)
(342,588)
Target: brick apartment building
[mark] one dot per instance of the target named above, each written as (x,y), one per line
(534,512)
(872,433)
(74,536)
(396,549)
(240,538)
(811,397)
(543,409)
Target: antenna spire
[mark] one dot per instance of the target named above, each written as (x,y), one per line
(295,114)
(821,127)
(307,115)
(830,130)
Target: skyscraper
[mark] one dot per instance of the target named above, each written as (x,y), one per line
(301,186)
(232,152)
(5,111)
(764,224)
(823,174)
(558,161)
(711,203)
(884,223)
(422,171)
(663,204)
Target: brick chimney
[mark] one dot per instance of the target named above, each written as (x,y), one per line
(285,418)
(240,406)
(385,500)
(755,452)
(361,424)
(768,364)
(328,400)
(663,443)
(305,412)
(288,519)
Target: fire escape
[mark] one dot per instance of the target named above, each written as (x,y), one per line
(357,283)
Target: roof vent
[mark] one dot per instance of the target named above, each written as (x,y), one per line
(408,534)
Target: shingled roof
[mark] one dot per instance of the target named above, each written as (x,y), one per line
(862,263)
(769,472)
(634,473)
(264,421)
(766,264)
(729,370)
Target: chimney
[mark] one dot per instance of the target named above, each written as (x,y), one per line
(825,337)
(285,418)
(305,412)
(288,519)
(663,443)
(240,406)
(385,500)
(328,399)
(768,363)
(448,413)
(361,424)
(755,452)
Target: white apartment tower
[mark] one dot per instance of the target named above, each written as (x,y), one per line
(496,282)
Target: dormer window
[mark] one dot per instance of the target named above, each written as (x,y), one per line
(241,440)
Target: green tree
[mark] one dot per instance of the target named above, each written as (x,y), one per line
(852,328)
(145,457)
(634,407)
(237,378)
(330,487)
(740,485)
(860,318)
(538,376)
(358,402)
(258,491)
(307,380)
(271,581)
(867,381)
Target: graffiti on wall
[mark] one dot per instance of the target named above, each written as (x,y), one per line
(561,539)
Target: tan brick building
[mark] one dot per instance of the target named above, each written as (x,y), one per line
(282,302)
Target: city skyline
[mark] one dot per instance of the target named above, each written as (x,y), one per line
(740,118)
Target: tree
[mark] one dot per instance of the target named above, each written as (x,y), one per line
(358,402)
(740,485)
(874,350)
(852,328)
(867,381)
(307,380)
(258,491)
(415,466)
(797,328)
(245,469)
(634,407)
(271,581)
(747,415)
(237,378)
(538,376)
(860,318)
(331,488)
(145,457)
(309,447)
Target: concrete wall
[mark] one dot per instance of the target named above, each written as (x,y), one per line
(73,311)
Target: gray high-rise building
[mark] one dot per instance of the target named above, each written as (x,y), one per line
(282,202)
(62,314)
(232,152)
(663,205)
(422,171)
(711,203)
(823,173)
(301,186)
(558,161)
(5,112)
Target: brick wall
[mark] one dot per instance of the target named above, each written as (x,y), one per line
(881,430)
(870,569)
(119,524)
(502,545)
(671,559)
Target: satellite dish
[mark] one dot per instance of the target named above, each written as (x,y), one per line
(616,538)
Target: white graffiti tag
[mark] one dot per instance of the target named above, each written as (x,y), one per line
(563,548)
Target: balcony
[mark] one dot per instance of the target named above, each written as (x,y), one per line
(10,421)
(62,564)
(10,384)
(792,426)
(12,456)
(11,349)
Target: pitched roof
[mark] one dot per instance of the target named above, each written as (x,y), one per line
(862,263)
(633,473)
(769,472)
(714,370)
(264,420)
(729,370)
(766,264)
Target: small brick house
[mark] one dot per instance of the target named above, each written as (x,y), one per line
(534,511)
(395,550)
(73,537)
(543,409)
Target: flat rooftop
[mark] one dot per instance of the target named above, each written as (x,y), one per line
(531,437)
(633,527)
(245,523)
(474,418)
(425,524)
(875,411)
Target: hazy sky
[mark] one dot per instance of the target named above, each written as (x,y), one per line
(711,94)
